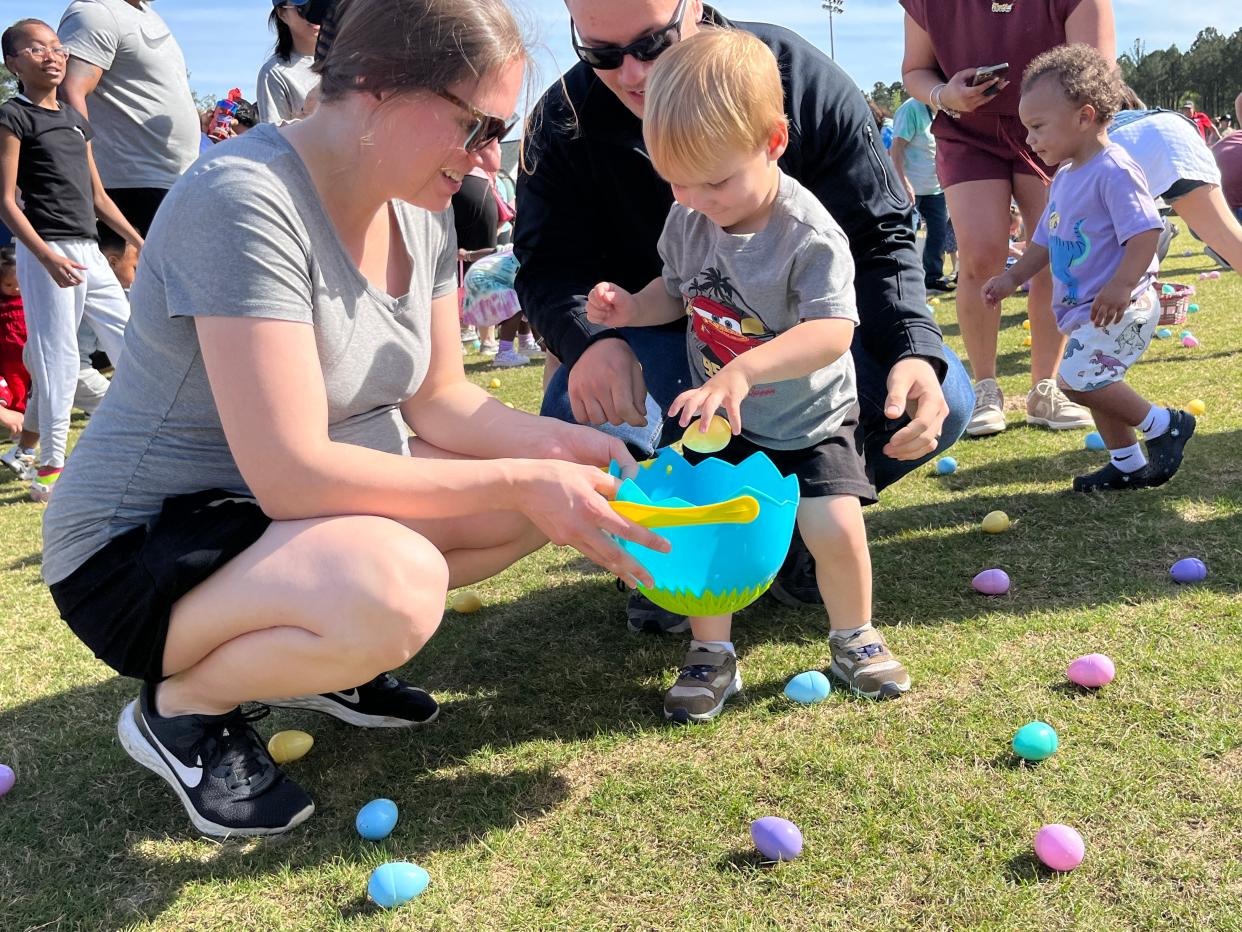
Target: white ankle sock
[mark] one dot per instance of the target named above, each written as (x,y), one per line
(1155,424)
(1128,459)
(844,634)
(719,647)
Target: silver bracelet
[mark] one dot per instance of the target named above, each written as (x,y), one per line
(938,105)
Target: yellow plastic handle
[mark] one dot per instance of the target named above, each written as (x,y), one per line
(741,510)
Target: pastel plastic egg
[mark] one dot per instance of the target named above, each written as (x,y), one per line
(1035,741)
(466,602)
(287,746)
(1026,341)
(995,522)
(1186,253)
(1188,570)
(396,882)
(7,778)
(777,839)
(1163,333)
(991,582)
(494,383)
(946,466)
(714,440)
(808,688)
(1059,847)
(1091,670)
(1214,274)
(1166,289)
(1095,442)
(1190,342)
(1196,407)
(376,819)
(1184,334)
(934,302)
(1193,309)
(1026,324)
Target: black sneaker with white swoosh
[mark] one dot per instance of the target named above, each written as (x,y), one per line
(217,766)
(385,702)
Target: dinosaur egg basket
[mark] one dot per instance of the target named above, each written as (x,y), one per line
(1174,306)
(713,569)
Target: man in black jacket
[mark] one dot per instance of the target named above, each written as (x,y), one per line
(591,208)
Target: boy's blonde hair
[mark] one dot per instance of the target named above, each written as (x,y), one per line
(713,95)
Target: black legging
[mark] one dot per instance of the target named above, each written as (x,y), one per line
(475,215)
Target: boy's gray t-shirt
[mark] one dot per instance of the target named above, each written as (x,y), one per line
(742,290)
(244,234)
(146,125)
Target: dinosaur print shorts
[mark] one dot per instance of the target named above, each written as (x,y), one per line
(1099,356)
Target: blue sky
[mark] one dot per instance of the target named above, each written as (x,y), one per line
(225,42)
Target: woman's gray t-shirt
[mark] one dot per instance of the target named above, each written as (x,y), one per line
(243,234)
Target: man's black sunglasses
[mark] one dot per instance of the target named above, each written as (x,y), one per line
(486,128)
(647,48)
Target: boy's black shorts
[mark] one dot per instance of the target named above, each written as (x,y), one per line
(119,601)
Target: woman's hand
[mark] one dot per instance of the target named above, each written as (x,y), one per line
(726,389)
(64,271)
(959,95)
(586,446)
(569,504)
(611,305)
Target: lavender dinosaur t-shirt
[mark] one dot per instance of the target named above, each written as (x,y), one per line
(1093,210)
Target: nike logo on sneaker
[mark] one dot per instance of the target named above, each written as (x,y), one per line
(350,695)
(191,776)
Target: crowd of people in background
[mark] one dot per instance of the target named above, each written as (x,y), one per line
(357,445)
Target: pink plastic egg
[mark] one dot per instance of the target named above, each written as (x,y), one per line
(1059,846)
(1214,274)
(991,582)
(1190,342)
(1092,670)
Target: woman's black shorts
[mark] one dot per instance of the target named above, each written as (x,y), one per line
(118,602)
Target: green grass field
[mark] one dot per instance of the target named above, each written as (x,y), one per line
(551,795)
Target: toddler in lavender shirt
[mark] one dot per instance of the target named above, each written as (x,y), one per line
(1100,231)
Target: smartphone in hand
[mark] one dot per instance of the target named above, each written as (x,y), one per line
(987,73)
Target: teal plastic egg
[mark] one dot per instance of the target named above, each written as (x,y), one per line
(1035,741)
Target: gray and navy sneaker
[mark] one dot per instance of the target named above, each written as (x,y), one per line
(864,663)
(706,681)
(385,702)
(1164,454)
(217,766)
(645,617)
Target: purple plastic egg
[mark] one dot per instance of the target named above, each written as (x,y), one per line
(1092,670)
(777,839)
(7,778)
(991,582)
(1190,342)
(1188,570)
(1059,846)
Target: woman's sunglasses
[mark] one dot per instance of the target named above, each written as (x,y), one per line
(486,128)
(647,48)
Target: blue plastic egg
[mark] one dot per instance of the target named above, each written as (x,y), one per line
(376,819)
(1163,333)
(946,466)
(808,688)
(1166,289)
(777,839)
(1188,570)
(1193,309)
(1184,334)
(1035,741)
(1095,442)
(396,882)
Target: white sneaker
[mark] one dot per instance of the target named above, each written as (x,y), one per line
(1047,406)
(469,335)
(489,347)
(989,414)
(528,347)
(510,359)
(23,464)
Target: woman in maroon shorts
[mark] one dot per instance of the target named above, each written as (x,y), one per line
(983,161)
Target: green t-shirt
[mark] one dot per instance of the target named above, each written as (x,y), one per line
(912,122)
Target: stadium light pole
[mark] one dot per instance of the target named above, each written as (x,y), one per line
(833,6)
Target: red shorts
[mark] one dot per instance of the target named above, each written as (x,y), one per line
(982,147)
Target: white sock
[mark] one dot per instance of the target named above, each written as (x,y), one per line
(719,647)
(1155,424)
(1128,459)
(844,634)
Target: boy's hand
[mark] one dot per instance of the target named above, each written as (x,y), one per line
(611,305)
(64,271)
(726,389)
(1110,304)
(997,289)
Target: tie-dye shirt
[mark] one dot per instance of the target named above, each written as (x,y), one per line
(1093,210)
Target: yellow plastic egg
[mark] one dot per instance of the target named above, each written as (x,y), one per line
(934,302)
(1026,324)
(494,383)
(1196,407)
(466,602)
(1026,341)
(286,746)
(995,522)
(714,440)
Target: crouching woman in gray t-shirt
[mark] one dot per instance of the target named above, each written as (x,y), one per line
(243,520)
